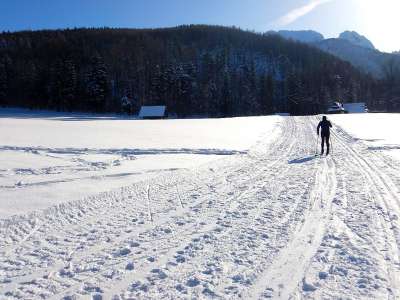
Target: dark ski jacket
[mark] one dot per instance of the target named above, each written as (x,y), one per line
(324,125)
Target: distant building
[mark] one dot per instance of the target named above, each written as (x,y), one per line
(355,108)
(336,108)
(153,112)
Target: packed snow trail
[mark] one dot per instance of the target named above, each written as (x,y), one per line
(277,223)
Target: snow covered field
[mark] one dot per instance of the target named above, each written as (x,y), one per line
(47,158)
(379,131)
(267,219)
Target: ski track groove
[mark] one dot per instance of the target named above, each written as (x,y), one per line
(351,251)
(377,183)
(94,217)
(282,278)
(259,225)
(234,205)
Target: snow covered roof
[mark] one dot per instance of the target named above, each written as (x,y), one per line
(336,107)
(152,111)
(354,108)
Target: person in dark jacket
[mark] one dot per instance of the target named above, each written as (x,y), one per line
(325,126)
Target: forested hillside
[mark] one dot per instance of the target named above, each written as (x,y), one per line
(194,70)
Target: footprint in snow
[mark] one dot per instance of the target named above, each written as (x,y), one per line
(70,297)
(123,252)
(362,283)
(218,229)
(208,272)
(130,266)
(180,259)
(160,273)
(138,286)
(97,297)
(134,244)
(180,288)
(66,273)
(322,275)
(268,293)
(92,289)
(111,274)
(151,259)
(193,282)
(308,287)
(207,291)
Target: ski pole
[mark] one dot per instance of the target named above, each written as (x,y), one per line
(316,147)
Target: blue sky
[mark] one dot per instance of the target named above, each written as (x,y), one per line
(375,19)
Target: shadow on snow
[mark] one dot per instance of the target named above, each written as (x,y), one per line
(123,151)
(302,160)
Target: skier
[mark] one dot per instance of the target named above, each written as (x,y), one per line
(325,126)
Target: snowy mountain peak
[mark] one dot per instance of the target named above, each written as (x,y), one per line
(357,39)
(305,36)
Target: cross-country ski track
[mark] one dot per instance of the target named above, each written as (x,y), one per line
(276,222)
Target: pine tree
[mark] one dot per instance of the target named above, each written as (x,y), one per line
(54,85)
(226,95)
(295,93)
(69,85)
(3,84)
(266,94)
(193,69)
(97,84)
(62,87)
(184,93)
(249,93)
(155,88)
(30,79)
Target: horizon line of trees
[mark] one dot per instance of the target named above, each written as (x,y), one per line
(193,70)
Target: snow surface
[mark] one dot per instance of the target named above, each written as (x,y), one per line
(305,36)
(49,158)
(357,39)
(275,221)
(379,131)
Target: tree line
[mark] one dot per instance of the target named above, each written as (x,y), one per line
(194,70)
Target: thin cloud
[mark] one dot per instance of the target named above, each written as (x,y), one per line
(299,12)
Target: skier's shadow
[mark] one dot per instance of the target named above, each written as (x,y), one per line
(301,160)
